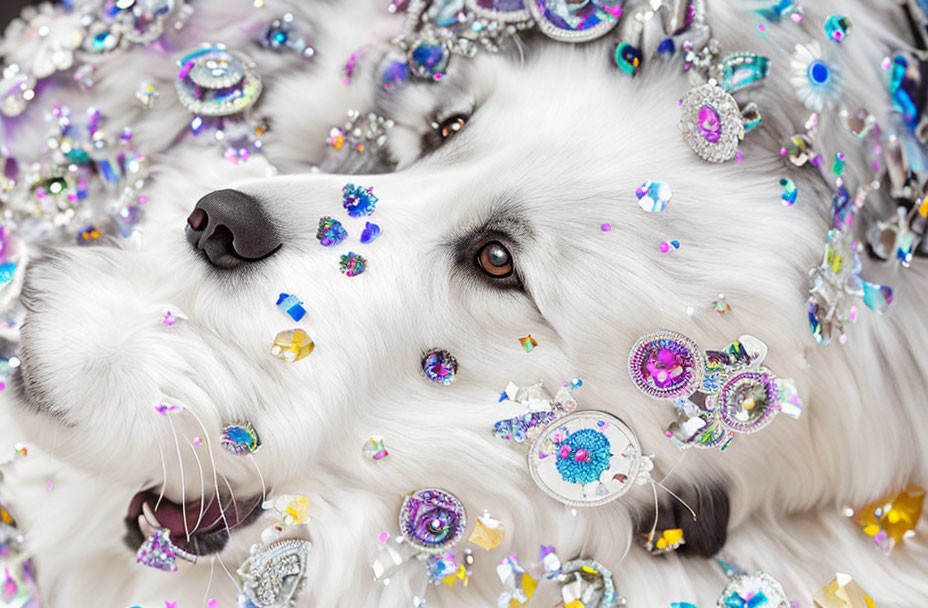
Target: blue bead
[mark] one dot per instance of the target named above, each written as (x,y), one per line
(818,73)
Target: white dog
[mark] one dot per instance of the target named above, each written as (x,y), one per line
(489,234)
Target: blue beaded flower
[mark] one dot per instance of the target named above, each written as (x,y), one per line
(583,456)
(330,232)
(358,201)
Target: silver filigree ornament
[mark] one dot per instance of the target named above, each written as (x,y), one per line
(273,575)
(712,123)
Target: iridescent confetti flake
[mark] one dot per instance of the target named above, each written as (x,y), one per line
(838,165)
(165,407)
(240,438)
(352,264)
(666,246)
(291,305)
(169,319)
(370,232)
(788,198)
(837,27)
(653,196)
(720,305)
(606,227)
(330,232)
(358,201)
(374,448)
(528,343)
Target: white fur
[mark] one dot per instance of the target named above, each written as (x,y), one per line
(562,140)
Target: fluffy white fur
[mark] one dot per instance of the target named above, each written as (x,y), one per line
(560,142)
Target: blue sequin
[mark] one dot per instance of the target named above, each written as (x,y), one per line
(587,471)
(819,73)
(358,201)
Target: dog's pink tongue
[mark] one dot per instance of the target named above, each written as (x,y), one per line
(171,515)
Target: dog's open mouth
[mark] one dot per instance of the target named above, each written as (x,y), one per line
(199,527)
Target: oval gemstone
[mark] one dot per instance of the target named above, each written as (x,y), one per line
(818,73)
(428,59)
(710,127)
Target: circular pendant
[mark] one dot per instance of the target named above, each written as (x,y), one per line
(586,459)
(665,364)
(575,20)
(214,81)
(432,520)
(747,401)
(744,587)
(586,582)
(711,123)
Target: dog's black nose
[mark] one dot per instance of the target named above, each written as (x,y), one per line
(231,228)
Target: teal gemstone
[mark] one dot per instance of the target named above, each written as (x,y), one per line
(837,27)
(627,57)
(104,41)
(742,69)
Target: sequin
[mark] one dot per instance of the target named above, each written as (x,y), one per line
(757,590)
(842,592)
(528,343)
(627,57)
(488,532)
(893,517)
(789,191)
(292,345)
(817,80)
(358,201)
(291,305)
(240,438)
(877,297)
(440,366)
(330,232)
(370,232)
(837,27)
(747,401)
(666,364)
(653,196)
(374,448)
(352,264)
(432,520)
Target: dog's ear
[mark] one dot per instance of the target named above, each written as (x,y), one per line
(706,535)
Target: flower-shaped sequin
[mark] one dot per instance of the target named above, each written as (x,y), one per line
(358,201)
(330,232)
(432,520)
(814,76)
(665,364)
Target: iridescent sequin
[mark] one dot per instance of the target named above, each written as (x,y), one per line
(432,520)
(358,201)
(837,27)
(789,192)
(352,264)
(330,232)
(240,438)
(370,232)
(440,366)
(666,364)
(653,196)
(627,57)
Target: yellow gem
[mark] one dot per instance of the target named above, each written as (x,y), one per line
(292,345)
(294,507)
(889,519)
(5,517)
(673,536)
(488,532)
(575,604)
(842,592)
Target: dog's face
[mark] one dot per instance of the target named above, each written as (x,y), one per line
(491,232)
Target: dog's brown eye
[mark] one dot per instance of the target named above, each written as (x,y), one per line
(452,125)
(495,260)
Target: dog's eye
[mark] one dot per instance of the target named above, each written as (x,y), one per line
(451,125)
(495,260)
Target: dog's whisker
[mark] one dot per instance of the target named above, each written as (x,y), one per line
(183,481)
(656,514)
(164,477)
(682,502)
(260,476)
(231,578)
(212,462)
(674,466)
(202,483)
(232,498)
(209,581)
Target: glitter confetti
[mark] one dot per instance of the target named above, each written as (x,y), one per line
(720,305)
(292,345)
(789,192)
(666,246)
(606,227)
(528,343)
(146,94)
(370,232)
(330,232)
(291,305)
(893,517)
(838,165)
(837,27)
(164,408)
(374,448)
(352,264)
(240,438)
(169,319)
(358,201)
(653,196)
